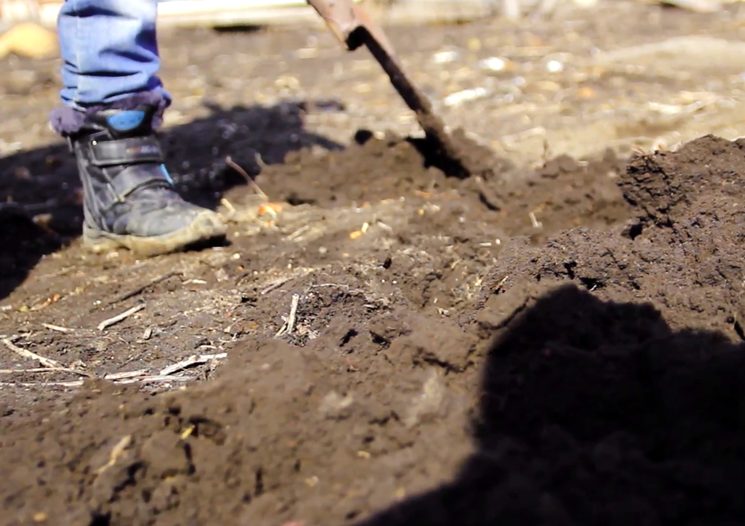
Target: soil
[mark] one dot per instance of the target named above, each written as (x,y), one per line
(554,341)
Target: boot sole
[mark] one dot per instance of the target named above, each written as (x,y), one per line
(207,226)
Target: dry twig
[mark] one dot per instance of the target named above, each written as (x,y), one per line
(289,324)
(37,370)
(158,379)
(47,362)
(124,375)
(134,292)
(501,283)
(56,328)
(71,383)
(125,381)
(189,362)
(534,220)
(274,285)
(250,180)
(116,452)
(293,313)
(120,317)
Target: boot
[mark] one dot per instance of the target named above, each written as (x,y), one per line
(129,197)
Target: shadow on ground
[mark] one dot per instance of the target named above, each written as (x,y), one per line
(40,192)
(599,413)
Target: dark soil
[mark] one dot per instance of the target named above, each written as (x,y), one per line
(591,374)
(556,340)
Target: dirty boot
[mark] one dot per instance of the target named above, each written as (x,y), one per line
(129,197)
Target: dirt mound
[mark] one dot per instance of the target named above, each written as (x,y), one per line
(561,194)
(683,252)
(595,412)
(451,367)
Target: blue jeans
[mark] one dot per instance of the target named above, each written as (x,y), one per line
(109,52)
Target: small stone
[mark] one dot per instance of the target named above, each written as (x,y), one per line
(22,173)
(335,406)
(554,66)
(428,402)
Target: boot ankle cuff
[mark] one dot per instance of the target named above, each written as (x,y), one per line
(67,120)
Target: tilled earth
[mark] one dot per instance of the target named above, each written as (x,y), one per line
(381,344)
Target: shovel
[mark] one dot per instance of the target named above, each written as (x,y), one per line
(351,25)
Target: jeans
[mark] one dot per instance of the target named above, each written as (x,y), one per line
(109,52)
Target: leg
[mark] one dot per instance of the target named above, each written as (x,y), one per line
(109,51)
(112,101)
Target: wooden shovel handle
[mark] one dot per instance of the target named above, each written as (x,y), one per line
(345,19)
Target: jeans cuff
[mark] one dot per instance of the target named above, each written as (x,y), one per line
(68,120)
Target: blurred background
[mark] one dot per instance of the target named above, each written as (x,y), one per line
(262,12)
(530,79)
